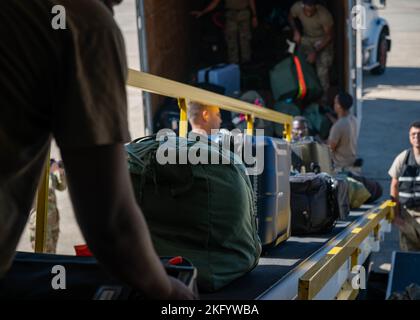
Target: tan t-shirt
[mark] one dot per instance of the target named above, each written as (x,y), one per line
(344,134)
(236,4)
(397,166)
(314,26)
(67,84)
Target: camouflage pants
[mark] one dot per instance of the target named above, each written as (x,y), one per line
(323,62)
(238,33)
(410,232)
(53,230)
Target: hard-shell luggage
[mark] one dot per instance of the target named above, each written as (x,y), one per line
(204,212)
(225,75)
(312,203)
(60,277)
(314,156)
(272,189)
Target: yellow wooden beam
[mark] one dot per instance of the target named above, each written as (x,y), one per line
(169,88)
(42,208)
(183,118)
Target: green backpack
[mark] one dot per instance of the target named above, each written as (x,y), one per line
(204,212)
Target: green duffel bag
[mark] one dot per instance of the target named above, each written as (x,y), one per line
(283,79)
(314,89)
(287,108)
(294,78)
(204,212)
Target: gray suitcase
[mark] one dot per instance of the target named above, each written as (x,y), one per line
(313,156)
(272,190)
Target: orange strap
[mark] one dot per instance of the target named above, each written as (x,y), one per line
(303,90)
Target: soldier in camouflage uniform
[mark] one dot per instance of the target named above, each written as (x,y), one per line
(316,41)
(239,16)
(57,181)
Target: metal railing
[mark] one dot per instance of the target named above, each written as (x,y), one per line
(314,280)
(183,93)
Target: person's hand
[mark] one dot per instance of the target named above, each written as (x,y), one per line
(197,14)
(311,57)
(254,22)
(180,291)
(297,38)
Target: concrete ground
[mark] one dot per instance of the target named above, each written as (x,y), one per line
(391,103)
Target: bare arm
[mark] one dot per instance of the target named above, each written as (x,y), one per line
(111,221)
(328,38)
(333,145)
(212,5)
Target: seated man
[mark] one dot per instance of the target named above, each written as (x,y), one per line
(344,134)
(205,120)
(300,129)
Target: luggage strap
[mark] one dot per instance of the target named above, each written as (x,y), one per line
(303,90)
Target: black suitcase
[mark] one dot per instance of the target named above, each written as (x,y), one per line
(31,277)
(272,191)
(314,156)
(312,204)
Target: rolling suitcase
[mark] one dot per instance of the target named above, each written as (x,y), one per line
(224,75)
(272,190)
(314,156)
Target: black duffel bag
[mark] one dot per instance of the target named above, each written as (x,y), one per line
(313,204)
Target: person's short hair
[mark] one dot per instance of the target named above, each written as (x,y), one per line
(415,124)
(194,110)
(300,119)
(345,100)
(310,2)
